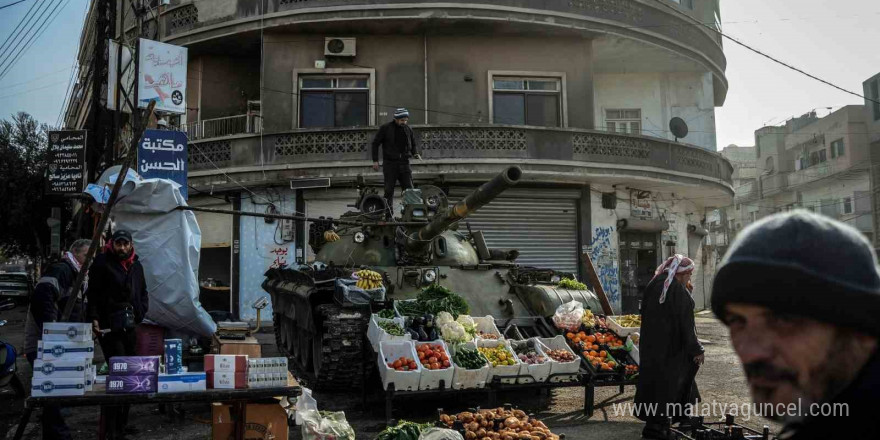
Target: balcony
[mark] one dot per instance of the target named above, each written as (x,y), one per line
(746,192)
(559,155)
(222,127)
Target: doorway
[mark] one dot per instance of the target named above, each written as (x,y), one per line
(638,260)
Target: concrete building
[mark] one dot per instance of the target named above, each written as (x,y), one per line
(872,123)
(724,223)
(577,93)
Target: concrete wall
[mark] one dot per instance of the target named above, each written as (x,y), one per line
(661,96)
(227,83)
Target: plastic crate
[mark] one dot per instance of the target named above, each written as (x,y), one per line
(621,331)
(467,379)
(430,379)
(502,370)
(533,373)
(486,324)
(376,334)
(402,380)
(572,368)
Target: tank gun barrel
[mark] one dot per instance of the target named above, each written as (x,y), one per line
(483,195)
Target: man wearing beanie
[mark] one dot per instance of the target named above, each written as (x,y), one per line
(398,144)
(669,351)
(800,294)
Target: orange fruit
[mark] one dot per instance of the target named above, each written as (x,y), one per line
(603,353)
(569,335)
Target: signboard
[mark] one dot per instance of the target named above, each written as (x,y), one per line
(115,100)
(641,205)
(66,173)
(162,154)
(162,76)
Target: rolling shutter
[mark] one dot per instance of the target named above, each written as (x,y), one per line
(541,225)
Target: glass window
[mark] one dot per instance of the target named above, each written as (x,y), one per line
(527,101)
(317,83)
(837,148)
(316,109)
(334,101)
(626,121)
(847,205)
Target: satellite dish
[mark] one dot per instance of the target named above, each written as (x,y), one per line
(678,127)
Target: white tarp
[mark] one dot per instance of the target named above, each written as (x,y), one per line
(167,241)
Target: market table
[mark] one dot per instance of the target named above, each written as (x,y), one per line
(237,398)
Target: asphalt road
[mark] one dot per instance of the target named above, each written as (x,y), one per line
(720,381)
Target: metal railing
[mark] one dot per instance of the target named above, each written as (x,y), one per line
(221,127)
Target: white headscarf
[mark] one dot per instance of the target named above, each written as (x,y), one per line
(673,265)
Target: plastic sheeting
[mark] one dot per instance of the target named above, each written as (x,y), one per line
(167,242)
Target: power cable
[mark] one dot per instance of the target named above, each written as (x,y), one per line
(35,79)
(33,90)
(18,28)
(33,38)
(12,4)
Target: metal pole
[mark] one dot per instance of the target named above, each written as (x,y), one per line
(105,216)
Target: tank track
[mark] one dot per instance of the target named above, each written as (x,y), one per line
(342,343)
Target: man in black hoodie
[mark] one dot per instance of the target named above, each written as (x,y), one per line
(800,294)
(118,301)
(398,145)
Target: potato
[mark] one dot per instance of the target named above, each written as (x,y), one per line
(511,422)
(469,435)
(481,433)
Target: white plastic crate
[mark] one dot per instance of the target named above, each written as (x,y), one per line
(402,380)
(538,372)
(502,370)
(467,379)
(430,379)
(376,334)
(558,343)
(621,331)
(486,324)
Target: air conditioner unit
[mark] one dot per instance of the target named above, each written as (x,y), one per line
(340,47)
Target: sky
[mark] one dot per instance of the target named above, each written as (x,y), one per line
(834,40)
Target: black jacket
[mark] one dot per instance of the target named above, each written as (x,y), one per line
(111,288)
(386,138)
(48,301)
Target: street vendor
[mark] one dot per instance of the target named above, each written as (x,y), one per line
(800,294)
(669,350)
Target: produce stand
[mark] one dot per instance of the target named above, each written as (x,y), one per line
(238,398)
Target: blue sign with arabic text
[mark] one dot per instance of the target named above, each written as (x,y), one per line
(162,154)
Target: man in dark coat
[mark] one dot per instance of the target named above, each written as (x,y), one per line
(117,288)
(669,351)
(50,296)
(800,294)
(398,145)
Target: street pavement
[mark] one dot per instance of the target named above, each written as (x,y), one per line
(720,380)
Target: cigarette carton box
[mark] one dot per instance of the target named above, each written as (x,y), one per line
(58,387)
(67,331)
(134,365)
(173,356)
(68,369)
(132,384)
(182,382)
(226,363)
(64,350)
(227,380)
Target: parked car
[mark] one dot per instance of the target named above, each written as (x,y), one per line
(16,284)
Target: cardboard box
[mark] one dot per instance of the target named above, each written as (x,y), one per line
(68,369)
(132,384)
(64,350)
(262,421)
(182,382)
(67,331)
(58,387)
(227,380)
(249,346)
(173,356)
(134,365)
(225,363)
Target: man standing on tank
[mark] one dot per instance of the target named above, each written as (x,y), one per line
(398,145)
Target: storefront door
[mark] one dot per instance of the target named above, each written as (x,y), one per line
(638,260)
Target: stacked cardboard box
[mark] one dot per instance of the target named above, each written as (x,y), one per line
(64,360)
(133,374)
(226,371)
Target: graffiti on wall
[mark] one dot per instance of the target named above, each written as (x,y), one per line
(603,252)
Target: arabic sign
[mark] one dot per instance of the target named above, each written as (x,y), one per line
(67,162)
(641,206)
(162,154)
(162,76)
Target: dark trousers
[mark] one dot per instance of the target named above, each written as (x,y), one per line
(395,171)
(117,343)
(53,425)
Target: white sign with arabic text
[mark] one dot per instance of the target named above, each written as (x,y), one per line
(162,76)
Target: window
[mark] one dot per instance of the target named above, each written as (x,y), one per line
(847,205)
(768,165)
(627,121)
(837,148)
(689,4)
(875,96)
(527,101)
(334,101)
(753,216)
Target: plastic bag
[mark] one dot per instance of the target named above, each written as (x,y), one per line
(440,434)
(348,293)
(305,402)
(568,316)
(325,426)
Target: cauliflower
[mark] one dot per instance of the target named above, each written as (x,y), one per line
(443,318)
(454,332)
(469,325)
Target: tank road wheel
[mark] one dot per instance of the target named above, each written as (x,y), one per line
(338,346)
(279,326)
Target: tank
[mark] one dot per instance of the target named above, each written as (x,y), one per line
(429,243)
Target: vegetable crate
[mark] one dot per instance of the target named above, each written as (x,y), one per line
(507,372)
(430,379)
(463,378)
(486,325)
(532,373)
(572,368)
(621,331)
(376,334)
(402,380)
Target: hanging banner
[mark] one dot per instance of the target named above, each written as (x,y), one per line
(66,172)
(162,154)
(162,76)
(115,100)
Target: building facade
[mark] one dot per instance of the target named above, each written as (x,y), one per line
(724,223)
(872,123)
(579,94)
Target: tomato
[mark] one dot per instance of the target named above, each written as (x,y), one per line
(421,355)
(432,359)
(412,365)
(446,363)
(397,363)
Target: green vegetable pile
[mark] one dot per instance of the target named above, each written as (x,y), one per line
(386,313)
(468,358)
(433,300)
(392,328)
(570,284)
(403,431)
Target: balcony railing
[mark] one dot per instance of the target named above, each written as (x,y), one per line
(221,127)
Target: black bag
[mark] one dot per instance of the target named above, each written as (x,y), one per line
(122,319)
